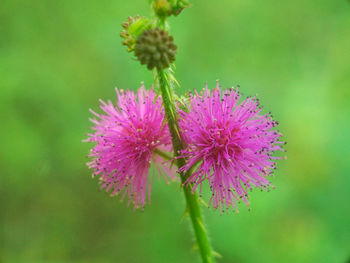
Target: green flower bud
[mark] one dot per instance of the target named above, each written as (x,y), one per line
(165,8)
(178,5)
(132,28)
(155,48)
(162,8)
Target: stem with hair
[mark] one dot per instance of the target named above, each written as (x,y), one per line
(193,206)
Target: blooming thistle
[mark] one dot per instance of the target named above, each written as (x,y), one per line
(229,143)
(128,137)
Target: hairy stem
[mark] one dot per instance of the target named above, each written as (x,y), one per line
(191,198)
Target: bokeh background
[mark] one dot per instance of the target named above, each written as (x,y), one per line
(57,58)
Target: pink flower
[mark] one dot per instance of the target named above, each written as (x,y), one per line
(229,143)
(128,137)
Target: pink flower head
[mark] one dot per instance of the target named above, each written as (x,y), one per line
(230,143)
(127,138)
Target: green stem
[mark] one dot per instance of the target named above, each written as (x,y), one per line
(163,154)
(191,198)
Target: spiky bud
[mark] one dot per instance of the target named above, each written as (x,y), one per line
(155,48)
(132,28)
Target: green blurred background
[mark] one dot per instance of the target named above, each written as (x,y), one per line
(57,58)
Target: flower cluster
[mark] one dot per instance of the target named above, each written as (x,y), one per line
(128,137)
(230,144)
